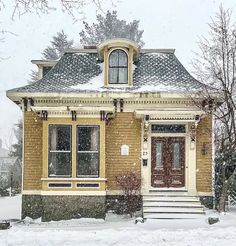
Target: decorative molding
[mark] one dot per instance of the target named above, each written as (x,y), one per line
(31,192)
(64,193)
(177,117)
(74,193)
(75,179)
(204,193)
(113,192)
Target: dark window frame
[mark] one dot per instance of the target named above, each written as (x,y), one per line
(118,67)
(59,151)
(98,151)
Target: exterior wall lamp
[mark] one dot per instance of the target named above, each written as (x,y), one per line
(193,133)
(204,149)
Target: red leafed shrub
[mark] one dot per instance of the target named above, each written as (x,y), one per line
(130,185)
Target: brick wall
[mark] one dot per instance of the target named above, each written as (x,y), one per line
(204,162)
(32,171)
(123,129)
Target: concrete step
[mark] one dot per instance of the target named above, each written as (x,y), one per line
(173,210)
(172,194)
(170,199)
(167,190)
(172,204)
(173,216)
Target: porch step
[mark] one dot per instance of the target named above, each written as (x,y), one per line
(174,210)
(170,199)
(173,216)
(170,190)
(175,205)
(171,205)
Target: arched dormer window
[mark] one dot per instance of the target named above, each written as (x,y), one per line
(118,67)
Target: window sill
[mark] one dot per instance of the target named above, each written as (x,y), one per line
(118,86)
(73,179)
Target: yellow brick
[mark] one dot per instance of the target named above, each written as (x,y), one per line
(204,162)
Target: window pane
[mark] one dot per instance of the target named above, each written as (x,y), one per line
(113,75)
(123,75)
(176,161)
(87,164)
(159,155)
(123,61)
(46,70)
(59,137)
(88,143)
(59,163)
(114,59)
(168,128)
(88,138)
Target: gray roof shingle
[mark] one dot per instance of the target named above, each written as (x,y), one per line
(76,72)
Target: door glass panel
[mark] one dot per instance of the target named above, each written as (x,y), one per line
(159,164)
(176,161)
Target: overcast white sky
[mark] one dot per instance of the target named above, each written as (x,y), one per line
(166,24)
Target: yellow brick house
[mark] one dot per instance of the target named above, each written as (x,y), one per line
(101,111)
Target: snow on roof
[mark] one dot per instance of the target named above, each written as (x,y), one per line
(153,72)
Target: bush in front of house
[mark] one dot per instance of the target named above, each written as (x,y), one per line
(130,185)
(4,186)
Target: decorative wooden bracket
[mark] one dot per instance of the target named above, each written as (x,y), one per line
(115,104)
(44,115)
(102,115)
(121,105)
(73,115)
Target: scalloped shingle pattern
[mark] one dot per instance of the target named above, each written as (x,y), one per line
(151,70)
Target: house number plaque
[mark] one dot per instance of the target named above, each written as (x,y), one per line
(124,149)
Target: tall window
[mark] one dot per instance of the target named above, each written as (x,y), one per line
(87,151)
(59,156)
(118,67)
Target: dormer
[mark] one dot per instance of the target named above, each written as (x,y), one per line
(44,66)
(118,56)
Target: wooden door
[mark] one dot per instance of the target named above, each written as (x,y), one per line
(167,161)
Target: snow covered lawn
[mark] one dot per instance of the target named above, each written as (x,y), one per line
(116,230)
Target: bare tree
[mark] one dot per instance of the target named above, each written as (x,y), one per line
(74,8)
(215,65)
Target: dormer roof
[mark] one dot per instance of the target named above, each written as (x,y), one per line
(121,43)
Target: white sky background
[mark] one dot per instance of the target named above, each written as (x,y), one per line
(166,24)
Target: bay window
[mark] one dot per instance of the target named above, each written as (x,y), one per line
(86,155)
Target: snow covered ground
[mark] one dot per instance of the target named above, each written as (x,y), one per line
(116,230)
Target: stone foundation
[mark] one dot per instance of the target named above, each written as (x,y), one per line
(207,201)
(117,204)
(63,207)
(31,206)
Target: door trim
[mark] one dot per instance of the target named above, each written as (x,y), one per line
(190,158)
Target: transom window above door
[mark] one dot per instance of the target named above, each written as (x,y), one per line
(174,128)
(118,67)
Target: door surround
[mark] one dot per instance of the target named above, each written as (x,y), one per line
(190,159)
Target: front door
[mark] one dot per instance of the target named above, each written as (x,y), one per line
(167,161)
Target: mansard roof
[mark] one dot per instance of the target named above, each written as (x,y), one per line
(82,71)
